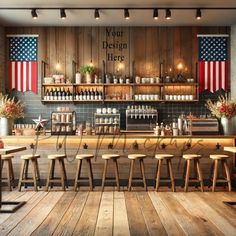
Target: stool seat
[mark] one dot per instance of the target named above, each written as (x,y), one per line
(136,156)
(7,157)
(110,156)
(29,156)
(191,156)
(163,156)
(84,156)
(218,157)
(56,156)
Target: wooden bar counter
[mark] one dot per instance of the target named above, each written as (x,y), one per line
(123,144)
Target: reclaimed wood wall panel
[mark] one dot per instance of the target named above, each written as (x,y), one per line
(147,46)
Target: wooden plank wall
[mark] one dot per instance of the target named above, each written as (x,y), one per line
(147,46)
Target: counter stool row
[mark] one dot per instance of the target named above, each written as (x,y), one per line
(32,160)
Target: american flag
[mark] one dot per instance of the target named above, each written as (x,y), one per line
(23,67)
(213,63)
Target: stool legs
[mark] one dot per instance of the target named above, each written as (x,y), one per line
(10,174)
(198,174)
(104,174)
(78,173)
(24,174)
(170,174)
(63,177)
(187,176)
(131,174)
(117,174)
(142,170)
(50,173)
(117,179)
(158,174)
(215,174)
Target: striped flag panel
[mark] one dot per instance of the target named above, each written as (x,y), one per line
(23,66)
(213,64)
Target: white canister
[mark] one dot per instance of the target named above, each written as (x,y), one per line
(78,78)
(109,110)
(137,80)
(104,110)
(114,110)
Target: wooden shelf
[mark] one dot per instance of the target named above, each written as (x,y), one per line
(154,84)
(180,84)
(59,85)
(83,84)
(124,84)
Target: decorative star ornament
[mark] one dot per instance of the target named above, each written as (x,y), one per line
(40,123)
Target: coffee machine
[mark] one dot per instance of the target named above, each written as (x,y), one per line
(141,117)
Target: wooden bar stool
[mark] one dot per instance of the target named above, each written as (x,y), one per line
(51,179)
(80,159)
(223,159)
(113,157)
(10,180)
(139,157)
(160,158)
(25,168)
(197,170)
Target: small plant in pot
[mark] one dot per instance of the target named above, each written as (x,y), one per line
(88,72)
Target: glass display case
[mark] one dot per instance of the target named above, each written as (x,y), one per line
(108,123)
(63,123)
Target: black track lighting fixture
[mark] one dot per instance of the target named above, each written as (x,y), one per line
(63,13)
(168,14)
(96,14)
(34,14)
(126,13)
(198,14)
(155,14)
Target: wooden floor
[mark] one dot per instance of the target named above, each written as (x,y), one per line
(120,213)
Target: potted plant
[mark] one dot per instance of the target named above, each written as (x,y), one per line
(10,109)
(88,72)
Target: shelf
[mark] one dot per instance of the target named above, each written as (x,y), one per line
(58,101)
(111,100)
(58,85)
(124,84)
(180,84)
(114,124)
(83,84)
(154,84)
(148,100)
(107,114)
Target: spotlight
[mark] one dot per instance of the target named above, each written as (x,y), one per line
(96,14)
(155,14)
(34,14)
(198,14)
(168,14)
(126,13)
(63,13)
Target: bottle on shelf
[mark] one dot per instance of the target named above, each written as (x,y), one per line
(92,95)
(59,94)
(81,94)
(47,95)
(63,94)
(51,95)
(85,94)
(96,95)
(100,95)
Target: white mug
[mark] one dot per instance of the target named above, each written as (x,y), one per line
(175,97)
(109,110)
(167,97)
(171,97)
(104,110)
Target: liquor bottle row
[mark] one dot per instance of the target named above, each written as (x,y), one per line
(88,95)
(60,94)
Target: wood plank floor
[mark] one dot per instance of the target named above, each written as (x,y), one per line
(120,213)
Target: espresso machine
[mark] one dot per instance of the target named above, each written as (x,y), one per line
(141,117)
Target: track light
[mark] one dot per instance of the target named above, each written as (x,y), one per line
(126,13)
(155,14)
(63,13)
(34,14)
(198,14)
(96,14)
(168,14)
